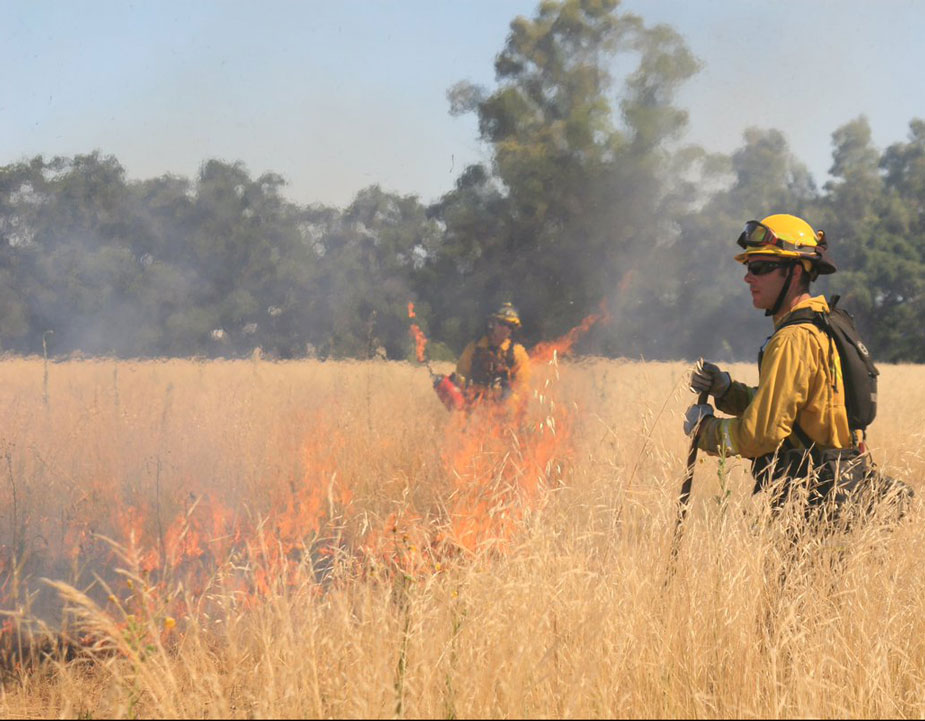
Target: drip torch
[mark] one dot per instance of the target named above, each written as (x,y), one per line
(449,393)
(445,386)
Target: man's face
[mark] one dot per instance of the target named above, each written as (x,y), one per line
(498,332)
(765,286)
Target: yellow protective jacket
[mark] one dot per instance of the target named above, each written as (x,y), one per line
(800,381)
(500,373)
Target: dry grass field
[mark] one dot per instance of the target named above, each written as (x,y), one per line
(241,539)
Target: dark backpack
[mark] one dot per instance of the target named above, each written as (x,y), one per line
(847,472)
(491,368)
(858,370)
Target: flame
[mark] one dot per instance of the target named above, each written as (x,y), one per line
(626,280)
(420,340)
(492,471)
(502,470)
(196,544)
(545,351)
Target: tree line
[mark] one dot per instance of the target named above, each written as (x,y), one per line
(591,199)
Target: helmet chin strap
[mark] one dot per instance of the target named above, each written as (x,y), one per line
(783,292)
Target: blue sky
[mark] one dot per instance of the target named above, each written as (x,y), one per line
(338,94)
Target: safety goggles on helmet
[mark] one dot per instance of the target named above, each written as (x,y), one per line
(757,235)
(507,315)
(763,238)
(513,325)
(763,267)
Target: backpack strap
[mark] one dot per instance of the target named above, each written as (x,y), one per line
(818,318)
(804,315)
(803,436)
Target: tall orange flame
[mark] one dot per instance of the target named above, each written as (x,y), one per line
(420,340)
(492,471)
(545,350)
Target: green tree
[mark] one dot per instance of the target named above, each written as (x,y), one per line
(710,313)
(882,276)
(369,259)
(72,250)
(243,250)
(574,193)
(461,278)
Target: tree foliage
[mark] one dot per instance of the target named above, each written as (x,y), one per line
(591,197)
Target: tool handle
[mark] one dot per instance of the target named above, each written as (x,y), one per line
(691,461)
(685,497)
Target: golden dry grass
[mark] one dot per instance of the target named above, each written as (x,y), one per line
(330,543)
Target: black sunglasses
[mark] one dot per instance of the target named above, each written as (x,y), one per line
(763,267)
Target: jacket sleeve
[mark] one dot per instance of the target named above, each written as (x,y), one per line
(520,374)
(736,399)
(768,419)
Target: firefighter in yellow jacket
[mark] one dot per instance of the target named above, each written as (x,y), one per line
(495,367)
(799,402)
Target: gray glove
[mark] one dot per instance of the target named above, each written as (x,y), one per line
(694,416)
(708,377)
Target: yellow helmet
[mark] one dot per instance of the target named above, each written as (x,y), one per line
(786,236)
(508,315)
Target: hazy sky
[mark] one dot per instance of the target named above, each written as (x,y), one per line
(338,94)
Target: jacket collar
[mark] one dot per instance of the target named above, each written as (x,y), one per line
(817,304)
(483,342)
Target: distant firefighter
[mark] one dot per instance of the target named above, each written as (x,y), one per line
(495,367)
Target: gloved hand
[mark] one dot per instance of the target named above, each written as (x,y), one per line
(708,377)
(695,414)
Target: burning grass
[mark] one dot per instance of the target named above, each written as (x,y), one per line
(245,538)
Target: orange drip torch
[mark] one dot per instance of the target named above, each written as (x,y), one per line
(448,392)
